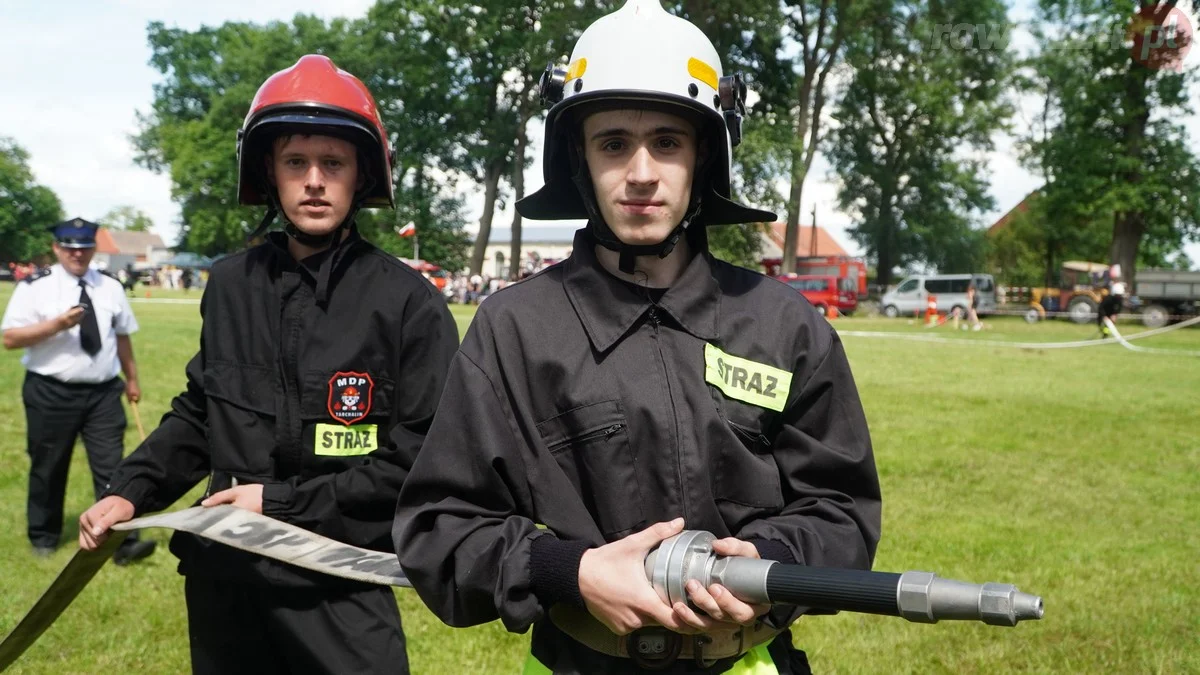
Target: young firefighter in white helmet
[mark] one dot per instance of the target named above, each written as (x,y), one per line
(638,388)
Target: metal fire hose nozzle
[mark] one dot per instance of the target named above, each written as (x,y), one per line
(922,597)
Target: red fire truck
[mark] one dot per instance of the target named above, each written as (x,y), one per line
(851,272)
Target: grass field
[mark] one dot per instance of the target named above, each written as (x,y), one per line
(1072,473)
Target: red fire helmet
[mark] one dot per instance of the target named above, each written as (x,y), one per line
(314,97)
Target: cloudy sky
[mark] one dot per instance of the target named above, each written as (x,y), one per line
(76,73)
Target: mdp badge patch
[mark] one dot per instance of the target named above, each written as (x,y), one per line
(350,396)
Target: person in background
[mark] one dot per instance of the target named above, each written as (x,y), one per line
(973,307)
(74,324)
(1110,305)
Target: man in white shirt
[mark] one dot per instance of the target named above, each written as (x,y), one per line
(74,324)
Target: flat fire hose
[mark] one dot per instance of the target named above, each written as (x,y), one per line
(917,596)
(76,575)
(226,524)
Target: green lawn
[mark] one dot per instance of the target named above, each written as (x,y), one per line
(1072,473)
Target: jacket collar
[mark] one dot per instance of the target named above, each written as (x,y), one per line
(311,267)
(91,277)
(608,307)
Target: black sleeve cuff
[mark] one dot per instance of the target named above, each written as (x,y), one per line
(554,570)
(136,490)
(771,549)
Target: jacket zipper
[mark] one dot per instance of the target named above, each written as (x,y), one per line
(683,501)
(291,453)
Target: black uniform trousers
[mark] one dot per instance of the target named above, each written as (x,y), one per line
(1110,306)
(239,628)
(56,413)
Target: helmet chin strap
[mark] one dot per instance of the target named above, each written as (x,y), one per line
(321,241)
(317,241)
(331,240)
(628,253)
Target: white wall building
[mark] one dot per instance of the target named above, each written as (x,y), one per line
(538,245)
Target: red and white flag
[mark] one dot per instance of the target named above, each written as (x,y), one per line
(409,230)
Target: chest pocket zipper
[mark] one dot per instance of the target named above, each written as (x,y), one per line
(746,473)
(588,436)
(757,440)
(590,446)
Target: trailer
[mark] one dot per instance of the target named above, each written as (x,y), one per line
(1166,295)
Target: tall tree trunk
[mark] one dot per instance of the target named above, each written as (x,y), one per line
(1128,228)
(887,231)
(1049,280)
(1130,224)
(791,230)
(811,97)
(518,183)
(421,193)
(491,183)
(883,266)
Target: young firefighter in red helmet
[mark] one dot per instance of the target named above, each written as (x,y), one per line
(638,387)
(291,328)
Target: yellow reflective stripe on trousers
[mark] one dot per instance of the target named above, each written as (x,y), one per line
(757,661)
(535,667)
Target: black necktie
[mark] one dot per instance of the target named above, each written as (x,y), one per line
(89,329)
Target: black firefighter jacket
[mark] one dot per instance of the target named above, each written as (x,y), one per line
(325,404)
(578,403)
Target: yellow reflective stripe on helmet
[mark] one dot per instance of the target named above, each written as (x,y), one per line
(577,69)
(702,71)
(535,667)
(745,380)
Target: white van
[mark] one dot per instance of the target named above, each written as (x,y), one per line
(913,293)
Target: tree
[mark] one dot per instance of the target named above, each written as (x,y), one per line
(748,39)
(210,77)
(818,28)
(127,218)
(411,72)
(498,50)
(913,125)
(1110,148)
(442,239)
(26,208)
(1030,248)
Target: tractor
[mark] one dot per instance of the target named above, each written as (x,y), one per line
(1080,289)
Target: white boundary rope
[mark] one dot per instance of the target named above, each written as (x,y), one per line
(1032,345)
(167,301)
(1124,341)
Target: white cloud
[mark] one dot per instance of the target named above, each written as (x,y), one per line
(79,73)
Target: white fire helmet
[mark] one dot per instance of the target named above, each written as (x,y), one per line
(643,56)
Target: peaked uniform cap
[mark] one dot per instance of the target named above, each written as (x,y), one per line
(75,233)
